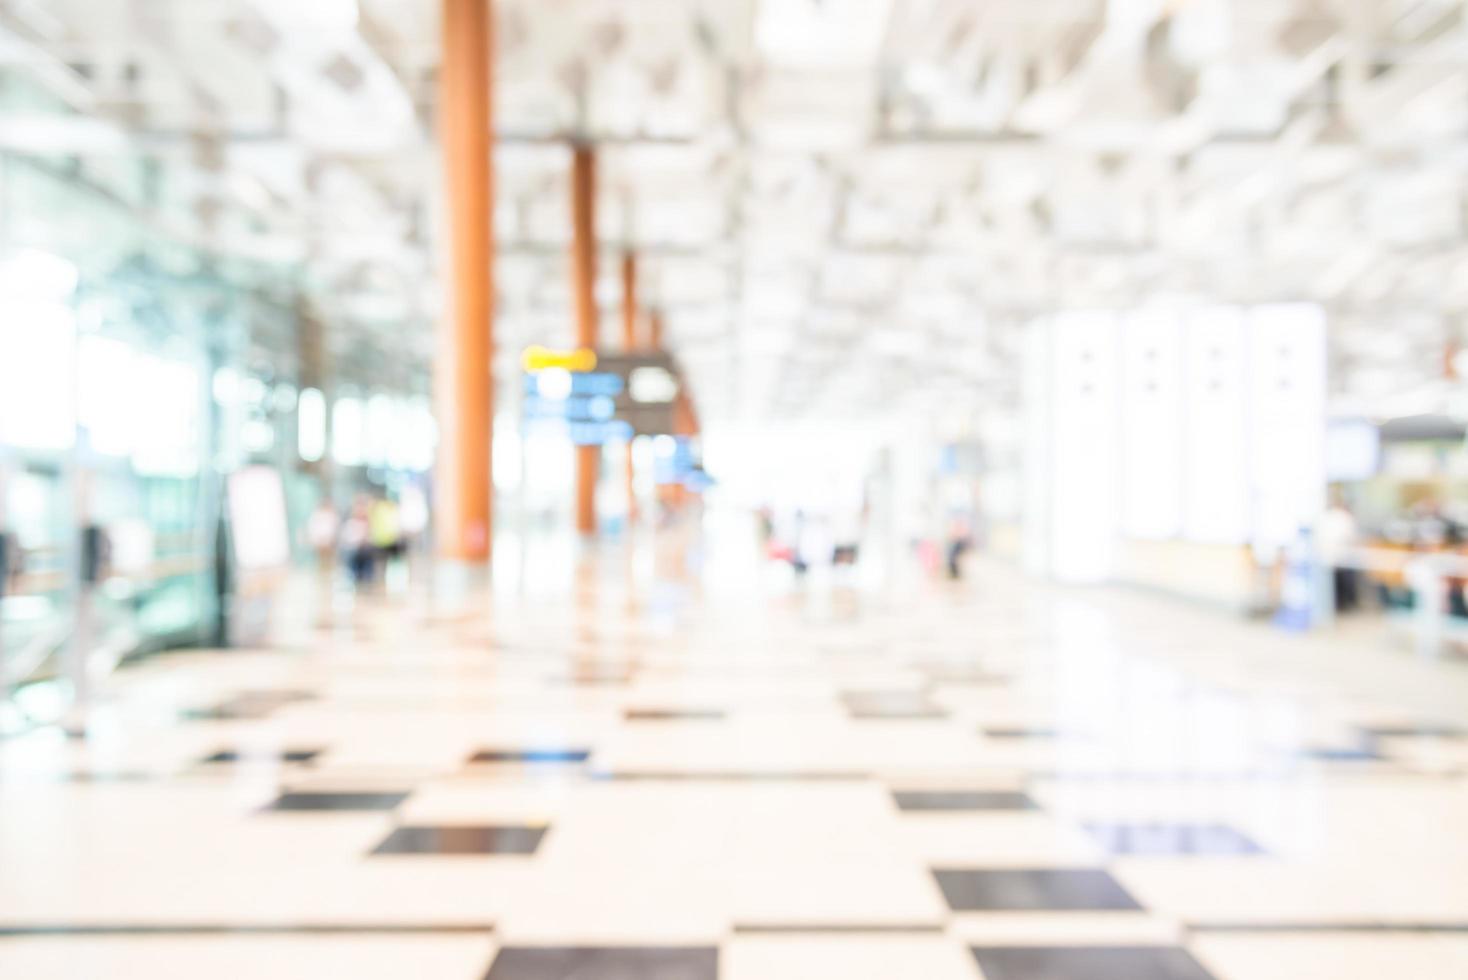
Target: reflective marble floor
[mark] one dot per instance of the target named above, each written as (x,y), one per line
(1000,780)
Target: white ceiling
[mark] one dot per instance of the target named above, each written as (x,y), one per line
(840,204)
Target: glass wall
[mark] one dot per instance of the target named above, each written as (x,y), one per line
(139,369)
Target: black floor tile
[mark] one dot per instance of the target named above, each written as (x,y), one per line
(289,755)
(626,963)
(1090,963)
(1033,890)
(461,840)
(1172,838)
(530,755)
(336,801)
(962,800)
(891,704)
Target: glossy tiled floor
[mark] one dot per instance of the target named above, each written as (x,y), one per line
(634,779)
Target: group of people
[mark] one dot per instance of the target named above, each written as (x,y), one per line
(375,532)
(811,538)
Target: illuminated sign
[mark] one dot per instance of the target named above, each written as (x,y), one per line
(538,358)
(598,433)
(652,384)
(592,408)
(600,397)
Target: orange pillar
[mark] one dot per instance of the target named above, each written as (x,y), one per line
(655,330)
(655,343)
(583,287)
(463,380)
(629,302)
(629,344)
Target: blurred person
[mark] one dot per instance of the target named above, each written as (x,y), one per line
(1336,535)
(322,528)
(960,540)
(846,532)
(356,542)
(780,541)
(386,533)
(765,517)
(798,554)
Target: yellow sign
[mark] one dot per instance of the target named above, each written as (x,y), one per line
(543,358)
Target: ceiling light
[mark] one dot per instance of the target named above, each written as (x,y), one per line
(821,34)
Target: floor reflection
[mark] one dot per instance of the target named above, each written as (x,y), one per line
(637,767)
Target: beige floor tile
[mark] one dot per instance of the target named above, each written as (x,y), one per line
(863,957)
(1333,956)
(251,957)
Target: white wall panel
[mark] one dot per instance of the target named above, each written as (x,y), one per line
(1036,448)
(1216,452)
(1085,453)
(1287,420)
(1152,383)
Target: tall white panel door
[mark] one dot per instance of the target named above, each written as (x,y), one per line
(1215,449)
(1152,382)
(1085,473)
(1287,420)
(1038,434)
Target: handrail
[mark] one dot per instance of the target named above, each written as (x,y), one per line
(55,580)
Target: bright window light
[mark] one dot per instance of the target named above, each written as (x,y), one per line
(347,419)
(37,376)
(166,395)
(380,430)
(106,407)
(421,435)
(35,274)
(311,425)
(257,436)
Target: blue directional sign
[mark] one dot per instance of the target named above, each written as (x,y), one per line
(600,433)
(599,397)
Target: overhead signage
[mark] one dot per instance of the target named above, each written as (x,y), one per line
(600,433)
(600,397)
(650,386)
(579,408)
(538,358)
